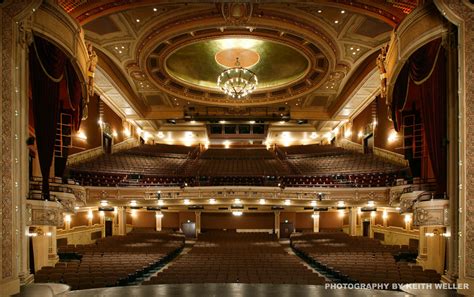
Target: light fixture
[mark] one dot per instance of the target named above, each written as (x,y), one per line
(82,135)
(237,201)
(126,132)
(373,214)
(429,234)
(114,134)
(159,214)
(49,234)
(76,207)
(67,218)
(212,201)
(133,203)
(187,202)
(315,215)
(101,213)
(287,202)
(237,81)
(226,144)
(340,204)
(384,215)
(262,201)
(370,203)
(237,213)
(90,215)
(104,203)
(407,218)
(313,203)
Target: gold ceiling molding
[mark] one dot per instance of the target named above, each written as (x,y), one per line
(156,46)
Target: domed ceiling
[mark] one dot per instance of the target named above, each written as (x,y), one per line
(314,60)
(199,64)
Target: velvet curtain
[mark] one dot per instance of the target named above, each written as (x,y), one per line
(50,73)
(423,78)
(429,84)
(46,63)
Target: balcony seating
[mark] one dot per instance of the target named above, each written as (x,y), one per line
(300,166)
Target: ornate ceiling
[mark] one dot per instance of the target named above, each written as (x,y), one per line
(312,58)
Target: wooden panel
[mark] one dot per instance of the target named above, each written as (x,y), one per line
(144,219)
(329,220)
(229,221)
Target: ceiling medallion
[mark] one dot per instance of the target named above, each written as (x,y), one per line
(237,81)
(236,13)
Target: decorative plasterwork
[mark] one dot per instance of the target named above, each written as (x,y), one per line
(408,200)
(300,197)
(44,213)
(431,213)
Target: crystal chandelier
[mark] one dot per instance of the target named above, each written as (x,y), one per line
(237,81)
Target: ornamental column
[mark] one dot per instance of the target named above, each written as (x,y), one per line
(316,221)
(353,221)
(277,223)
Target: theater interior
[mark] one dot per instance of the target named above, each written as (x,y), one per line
(249,148)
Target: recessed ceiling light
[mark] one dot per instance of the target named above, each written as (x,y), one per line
(138,20)
(319,11)
(343,11)
(336,22)
(353,53)
(352,48)
(155,9)
(358,49)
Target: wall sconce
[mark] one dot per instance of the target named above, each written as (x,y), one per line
(212,201)
(114,133)
(67,218)
(237,213)
(373,214)
(384,215)
(187,202)
(126,132)
(348,133)
(287,202)
(360,134)
(81,135)
(262,201)
(392,137)
(90,215)
(159,215)
(315,215)
(407,218)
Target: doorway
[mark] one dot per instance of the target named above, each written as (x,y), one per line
(108,227)
(365,228)
(286,229)
(369,144)
(107,143)
(189,229)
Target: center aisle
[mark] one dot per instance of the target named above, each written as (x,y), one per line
(230,257)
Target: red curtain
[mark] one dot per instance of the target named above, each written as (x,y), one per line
(46,63)
(423,78)
(432,92)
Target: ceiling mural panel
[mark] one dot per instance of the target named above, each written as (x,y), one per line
(197,64)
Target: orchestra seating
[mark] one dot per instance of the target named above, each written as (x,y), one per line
(230,257)
(358,259)
(299,166)
(112,261)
